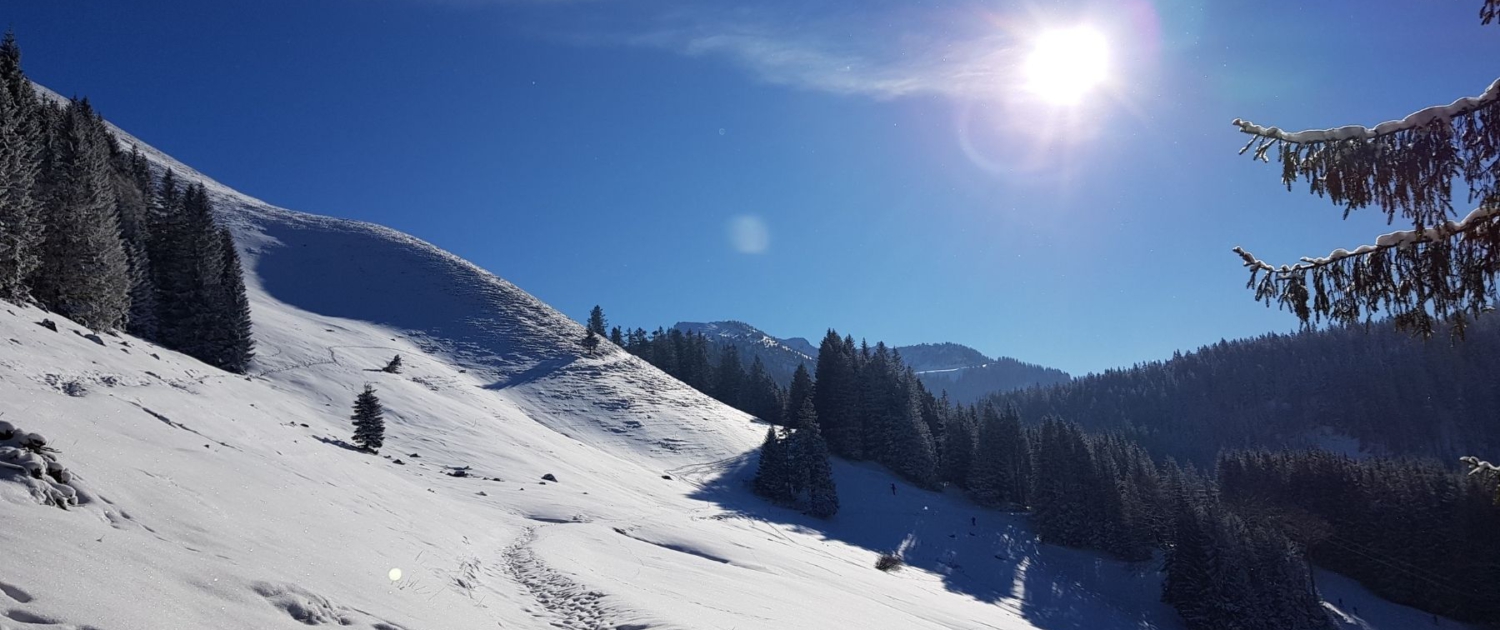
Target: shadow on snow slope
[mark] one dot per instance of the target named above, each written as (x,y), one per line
(327,267)
(996,559)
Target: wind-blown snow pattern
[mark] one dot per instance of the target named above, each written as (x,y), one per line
(212,500)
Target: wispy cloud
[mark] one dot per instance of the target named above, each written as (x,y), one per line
(881,54)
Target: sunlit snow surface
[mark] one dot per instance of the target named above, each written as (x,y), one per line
(221,501)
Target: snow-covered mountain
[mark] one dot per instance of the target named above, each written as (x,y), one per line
(212,500)
(780,356)
(927,357)
(969,376)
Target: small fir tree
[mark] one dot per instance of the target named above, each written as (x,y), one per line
(596,323)
(369,421)
(771,479)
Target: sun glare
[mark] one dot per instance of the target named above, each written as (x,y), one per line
(1066,64)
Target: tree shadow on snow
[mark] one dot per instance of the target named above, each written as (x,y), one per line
(994,558)
(340,443)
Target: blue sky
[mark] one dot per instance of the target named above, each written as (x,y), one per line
(896,182)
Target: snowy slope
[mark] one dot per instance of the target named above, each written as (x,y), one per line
(211,500)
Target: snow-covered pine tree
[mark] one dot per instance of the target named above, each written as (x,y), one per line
(596,321)
(1442,269)
(235,342)
(84,274)
(133,203)
(21,144)
(167,249)
(369,420)
(394,366)
(590,342)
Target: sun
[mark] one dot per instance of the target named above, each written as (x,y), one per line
(1066,64)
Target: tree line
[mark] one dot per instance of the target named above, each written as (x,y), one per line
(88,233)
(1396,395)
(1235,529)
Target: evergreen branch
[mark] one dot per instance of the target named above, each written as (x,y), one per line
(1390,240)
(1489,12)
(1419,277)
(1415,120)
(1476,465)
(1406,168)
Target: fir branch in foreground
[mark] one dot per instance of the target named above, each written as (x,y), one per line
(1419,277)
(1407,167)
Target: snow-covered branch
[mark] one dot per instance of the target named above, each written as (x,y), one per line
(1391,240)
(1415,120)
(1478,466)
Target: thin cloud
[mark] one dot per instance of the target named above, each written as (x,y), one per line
(877,57)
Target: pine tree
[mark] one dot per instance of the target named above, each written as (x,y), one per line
(596,323)
(235,342)
(21,144)
(987,474)
(764,396)
(369,421)
(731,377)
(816,469)
(835,398)
(771,478)
(393,366)
(590,342)
(911,452)
(798,394)
(960,439)
(84,274)
(616,337)
(881,406)
(133,205)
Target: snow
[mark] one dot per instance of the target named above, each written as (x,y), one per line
(212,500)
(1415,120)
(1390,240)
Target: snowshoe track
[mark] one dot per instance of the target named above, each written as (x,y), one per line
(566,604)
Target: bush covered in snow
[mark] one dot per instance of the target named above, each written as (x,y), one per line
(25,458)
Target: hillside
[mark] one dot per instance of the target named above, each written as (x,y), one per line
(1353,390)
(213,500)
(927,357)
(235,502)
(968,376)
